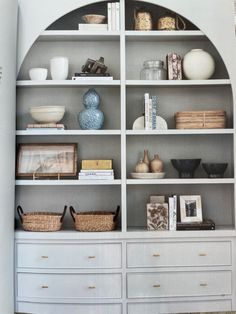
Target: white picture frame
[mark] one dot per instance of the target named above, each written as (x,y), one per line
(190,208)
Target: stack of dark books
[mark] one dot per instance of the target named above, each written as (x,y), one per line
(90,76)
(203,225)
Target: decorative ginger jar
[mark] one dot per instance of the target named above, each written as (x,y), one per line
(91,118)
(198,65)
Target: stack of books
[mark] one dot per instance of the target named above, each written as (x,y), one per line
(96,170)
(113,16)
(45,126)
(92,27)
(150,111)
(162,213)
(91,76)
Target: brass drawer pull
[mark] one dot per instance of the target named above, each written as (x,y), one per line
(91,287)
(202,254)
(44,287)
(156,286)
(156,255)
(92,256)
(44,256)
(203,284)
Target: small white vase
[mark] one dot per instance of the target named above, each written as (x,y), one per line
(59,67)
(198,65)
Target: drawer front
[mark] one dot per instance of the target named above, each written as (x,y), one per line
(42,308)
(169,284)
(180,307)
(107,255)
(69,285)
(178,254)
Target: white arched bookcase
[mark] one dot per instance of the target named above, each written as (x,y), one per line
(129,270)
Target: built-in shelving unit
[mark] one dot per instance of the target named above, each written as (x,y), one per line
(138,253)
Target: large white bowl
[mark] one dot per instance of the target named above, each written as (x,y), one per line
(38,74)
(47,114)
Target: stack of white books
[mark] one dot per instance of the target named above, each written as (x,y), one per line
(113,16)
(92,27)
(45,126)
(96,174)
(150,109)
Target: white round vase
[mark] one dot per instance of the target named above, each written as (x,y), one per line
(59,67)
(198,65)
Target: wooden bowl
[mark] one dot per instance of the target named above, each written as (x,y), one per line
(93,18)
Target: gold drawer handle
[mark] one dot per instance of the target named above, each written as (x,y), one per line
(44,256)
(202,254)
(156,255)
(44,287)
(156,286)
(92,256)
(204,284)
(91,287)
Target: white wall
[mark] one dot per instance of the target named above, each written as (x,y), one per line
(8,25)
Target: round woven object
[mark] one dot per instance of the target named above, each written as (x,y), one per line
(94,221)
(41,221)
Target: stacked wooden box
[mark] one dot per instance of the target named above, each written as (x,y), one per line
(211,119)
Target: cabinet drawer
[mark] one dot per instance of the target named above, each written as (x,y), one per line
(96,255)
(42,308)
(178,254)
(69,285)
(180,307)
(178,284)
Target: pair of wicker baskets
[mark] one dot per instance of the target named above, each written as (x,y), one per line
(84,221)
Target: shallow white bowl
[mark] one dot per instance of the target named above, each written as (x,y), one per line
(93,18)
(148,175)
(47,114)
(38,74)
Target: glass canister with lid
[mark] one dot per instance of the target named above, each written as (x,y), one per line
(153,70)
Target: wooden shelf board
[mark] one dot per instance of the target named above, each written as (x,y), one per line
(180,132)
(66,83)
(66,132)
(180,181)
(77,35)
(156,35)
(66,182)
(175,83)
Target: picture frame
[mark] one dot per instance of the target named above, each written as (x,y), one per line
(190,208)
(47,160)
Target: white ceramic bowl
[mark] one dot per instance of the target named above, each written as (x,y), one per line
(47,114)
(38,74)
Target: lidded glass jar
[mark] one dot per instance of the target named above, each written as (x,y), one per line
(153,70)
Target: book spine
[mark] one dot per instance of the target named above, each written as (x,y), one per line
(113,16)
(146,110)
(154,112)
(96,171)
(172,212)
(95,174)
(87,78)
(109,15)
(93,177)
(150,114)
(117,16)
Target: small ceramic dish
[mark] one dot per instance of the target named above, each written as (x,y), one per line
(148,175)
(38,74)
(93,18)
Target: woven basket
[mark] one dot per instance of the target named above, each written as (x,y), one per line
(41,221)
(95,221)
(211,119)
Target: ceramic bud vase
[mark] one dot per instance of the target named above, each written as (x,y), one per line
(59,68)
(141,167)
(198,65)
(91,118)
(146,158)
(156,164)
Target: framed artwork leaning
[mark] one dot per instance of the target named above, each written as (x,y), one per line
(47,160)
(190,208)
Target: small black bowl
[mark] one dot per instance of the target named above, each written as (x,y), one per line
(215,170)
(185,167)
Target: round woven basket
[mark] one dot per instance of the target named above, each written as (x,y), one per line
(41,221)
(95,221)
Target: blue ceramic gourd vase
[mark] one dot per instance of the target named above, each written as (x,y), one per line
(91,118)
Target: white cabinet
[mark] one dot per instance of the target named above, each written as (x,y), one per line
(130,270)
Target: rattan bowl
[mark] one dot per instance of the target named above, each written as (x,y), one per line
(93,18)
(41,221)
(95,221)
